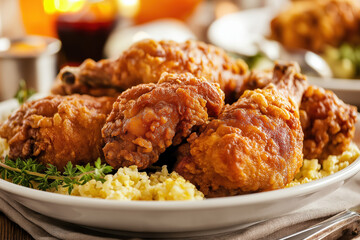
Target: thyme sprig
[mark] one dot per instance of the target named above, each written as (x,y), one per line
(30,173)
(23,93)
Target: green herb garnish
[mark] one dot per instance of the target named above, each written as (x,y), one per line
(30,173)
(24,93)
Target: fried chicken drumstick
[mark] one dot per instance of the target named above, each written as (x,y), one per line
(148,118)
(58,129)
(328,123)
(254,145)
(145,61)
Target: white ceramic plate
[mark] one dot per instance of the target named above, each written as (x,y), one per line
(239,32)
(176,218)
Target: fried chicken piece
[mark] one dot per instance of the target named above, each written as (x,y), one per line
(313,24)
(257,79)
(148,118)
(255,144)
(328,123)
(145,61)
(58,129)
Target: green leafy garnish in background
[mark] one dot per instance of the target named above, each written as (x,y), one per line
(344,60)
(23,93)
(30,173)
(258,61)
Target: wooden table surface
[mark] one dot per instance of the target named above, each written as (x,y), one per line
(10,230)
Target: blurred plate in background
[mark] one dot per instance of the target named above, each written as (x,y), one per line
(164,29)
(241,33)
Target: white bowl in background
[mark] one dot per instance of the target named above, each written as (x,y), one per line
(33,59)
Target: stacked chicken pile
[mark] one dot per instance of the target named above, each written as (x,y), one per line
(167,96)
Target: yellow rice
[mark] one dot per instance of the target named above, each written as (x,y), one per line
(130,184)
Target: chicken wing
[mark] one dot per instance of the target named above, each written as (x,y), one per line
(148,118)
(254,145)
(58,129)
(145,61)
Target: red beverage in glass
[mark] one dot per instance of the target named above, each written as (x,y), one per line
(83,34)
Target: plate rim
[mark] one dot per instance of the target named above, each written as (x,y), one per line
(231,201)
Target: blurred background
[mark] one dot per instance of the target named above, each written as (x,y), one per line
(103,28)
(38,37)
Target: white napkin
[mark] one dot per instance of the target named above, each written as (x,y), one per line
(45,228)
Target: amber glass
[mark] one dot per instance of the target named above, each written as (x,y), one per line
(35,19)
(155,9)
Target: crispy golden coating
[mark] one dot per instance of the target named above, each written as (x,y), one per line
(257,79)
(254,145)
(58,129)
(148,118)
(313,24)
(328,123)
(145,61)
